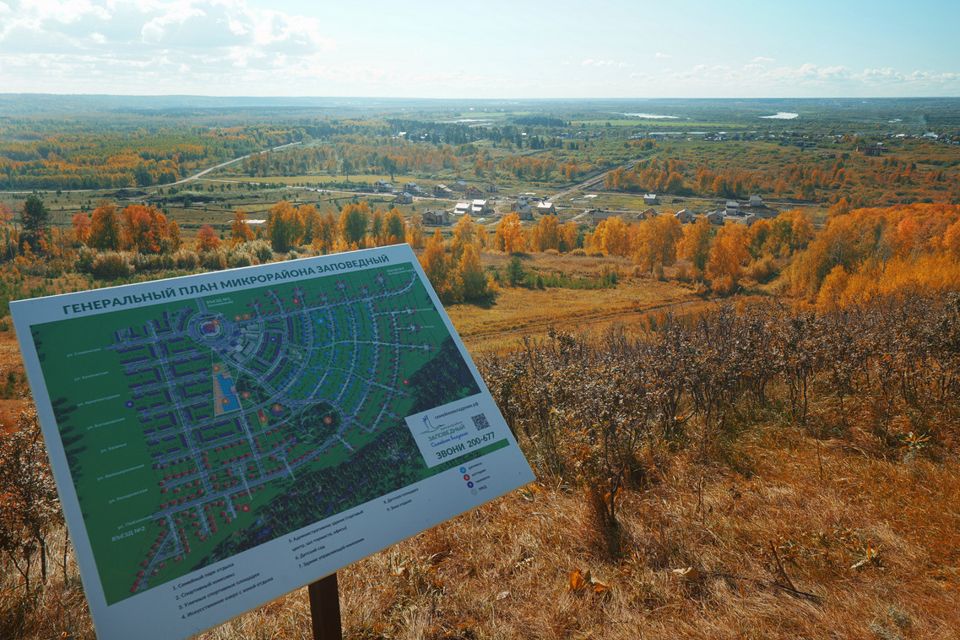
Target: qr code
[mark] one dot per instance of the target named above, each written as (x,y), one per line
(480,421)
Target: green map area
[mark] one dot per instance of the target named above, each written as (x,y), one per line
(199,428)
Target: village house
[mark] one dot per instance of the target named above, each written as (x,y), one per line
(732,208)
(684,216)
(442,191)
(436,218)
(479,207)
(715,217)
(412,188)
(403,198)
(650,198)
(382,186)
(462,208)
(546,208)
(472,193)
(649,213)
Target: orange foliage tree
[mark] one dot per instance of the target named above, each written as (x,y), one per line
(880,251)
(240,231)
(207,239)
(81,227)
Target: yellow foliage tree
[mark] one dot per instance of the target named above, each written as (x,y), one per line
(464,235)
(612,237)
(728,254)
(436,265)
(325,234)
(695,245)
(472,279)
(569,236)
(655,242)
(284,226)
(546,234)
(509,234)
(415,235)
(394,227)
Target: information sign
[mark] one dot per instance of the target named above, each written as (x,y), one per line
(221,439)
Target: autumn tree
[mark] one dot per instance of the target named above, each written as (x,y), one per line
(464,234)
(105,228)
(310,218)
(840,208)
(207,239)
(612,237)
(655,243)
(728,254)
(240,231)
(144,229)
(569,236)
(546,234)
(415,234)
(354,219)
(81,227)
(174,240)
(472,279)
(325,234)
(509,234)
(284,226)
(436,265)
(377,228)
(951,240)
(394,227)
(695,245)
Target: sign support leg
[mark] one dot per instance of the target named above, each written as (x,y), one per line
(325,609)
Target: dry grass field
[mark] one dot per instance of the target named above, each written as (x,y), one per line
(806,541)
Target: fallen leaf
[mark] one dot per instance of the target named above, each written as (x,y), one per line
(578,582)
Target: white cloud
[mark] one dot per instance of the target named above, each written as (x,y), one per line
(591,62)
(762,60)
(660,55)
(209,34)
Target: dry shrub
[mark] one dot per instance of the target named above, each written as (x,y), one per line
(111,265)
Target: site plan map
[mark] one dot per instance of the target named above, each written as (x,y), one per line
(203,418)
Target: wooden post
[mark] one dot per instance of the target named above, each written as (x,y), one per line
(325,609)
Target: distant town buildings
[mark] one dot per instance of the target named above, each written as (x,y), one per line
(436,218)
(545,208)
(442,191)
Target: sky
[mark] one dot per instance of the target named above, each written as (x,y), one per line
(482,49)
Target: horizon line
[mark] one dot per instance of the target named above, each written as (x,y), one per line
(449,99)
